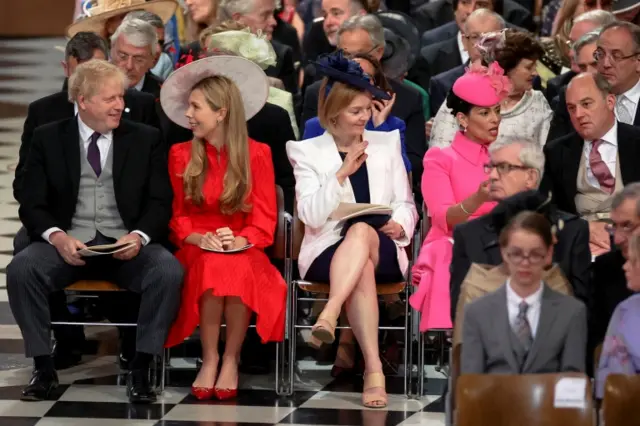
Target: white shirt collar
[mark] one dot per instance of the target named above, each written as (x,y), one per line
(633,94)
(514,299)
(86,131)
(464,55)
(138,86)
(611,136)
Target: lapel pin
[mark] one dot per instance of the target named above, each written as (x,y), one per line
(127,110)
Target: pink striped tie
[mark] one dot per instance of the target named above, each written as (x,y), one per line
(599,168)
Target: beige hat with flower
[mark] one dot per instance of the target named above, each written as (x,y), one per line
(98,12)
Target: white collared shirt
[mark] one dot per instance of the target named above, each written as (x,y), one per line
(608,151)
(630,100)
(138,86)
(464,55)
(533,313)
(104,144)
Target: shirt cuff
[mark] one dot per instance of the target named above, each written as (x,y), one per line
(47,234)
(145,237)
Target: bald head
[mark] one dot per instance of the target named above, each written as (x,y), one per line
(481,21)
(590,105)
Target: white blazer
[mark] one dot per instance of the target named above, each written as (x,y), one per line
(315,164)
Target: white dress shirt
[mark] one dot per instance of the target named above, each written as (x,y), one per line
(138,86)
(533,313)
(464,55)
(630,100)
(104,145)
(608,151)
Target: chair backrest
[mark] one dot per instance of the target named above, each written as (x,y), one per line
(297,231)
(621,400)
(278,249)
(525,399)
(596,357)
(426,223)
(454,373)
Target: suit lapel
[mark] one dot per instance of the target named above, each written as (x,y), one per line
(570,165)
(451,53)
(121,146)
(628,154)
(71,146)
(548,312)
(503,327)
(332,160)
(636,121)
(375,162)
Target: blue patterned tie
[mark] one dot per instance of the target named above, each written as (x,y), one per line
(522,327)
(93,154)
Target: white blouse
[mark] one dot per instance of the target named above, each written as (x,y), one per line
(529,118)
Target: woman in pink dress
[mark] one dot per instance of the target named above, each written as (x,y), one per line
(455,186)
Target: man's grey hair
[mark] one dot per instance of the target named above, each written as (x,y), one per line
(485,14)
(629,192)
(598,16)
(138,33)
(228,8)
(531,154)
(146,16)
(631,28)
(585,40)
(83,45)
(368,23)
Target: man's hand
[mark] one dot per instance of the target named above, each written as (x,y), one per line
(68,247)
(599,238)
(393,230)
(428,126)
(133,251)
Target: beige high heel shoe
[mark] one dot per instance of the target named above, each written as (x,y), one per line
(374,394)
(325,328)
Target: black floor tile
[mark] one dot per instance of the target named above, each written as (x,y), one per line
(436,406)
(201,423)
(109,410)
(19,421)
(325,416)
(394,384)
(257,398)
(15,392)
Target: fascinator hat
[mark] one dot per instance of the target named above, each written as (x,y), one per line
(483,86)
(244,43)
(247,76)
(337,67)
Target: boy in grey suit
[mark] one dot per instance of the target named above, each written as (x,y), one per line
(525,327)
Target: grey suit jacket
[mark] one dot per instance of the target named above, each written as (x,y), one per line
(559,345)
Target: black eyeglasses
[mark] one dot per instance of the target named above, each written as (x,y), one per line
(625,229)
(517,257)
(503,168)
(599,54)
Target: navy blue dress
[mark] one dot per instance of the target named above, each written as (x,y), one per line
(388,270)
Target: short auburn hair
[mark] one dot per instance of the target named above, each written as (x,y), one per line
(331,104)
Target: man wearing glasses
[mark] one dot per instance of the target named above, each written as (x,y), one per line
(514,174)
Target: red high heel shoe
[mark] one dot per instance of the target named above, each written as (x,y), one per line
(203,394)
(225,394)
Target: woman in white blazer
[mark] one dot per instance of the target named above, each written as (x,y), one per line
(348,164)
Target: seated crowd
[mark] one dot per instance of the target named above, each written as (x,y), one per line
(528,188)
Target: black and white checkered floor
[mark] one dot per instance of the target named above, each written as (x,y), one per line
(90,394)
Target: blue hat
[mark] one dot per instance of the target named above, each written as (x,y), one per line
(336,67)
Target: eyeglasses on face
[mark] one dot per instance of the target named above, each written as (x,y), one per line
(503,168)
(518,256)
(624,229)
(599,54)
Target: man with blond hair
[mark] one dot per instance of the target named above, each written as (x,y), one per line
(90,180)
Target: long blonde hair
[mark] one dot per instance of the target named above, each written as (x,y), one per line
(220,92)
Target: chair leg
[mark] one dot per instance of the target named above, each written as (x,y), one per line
(408,345)
(293,336)
(421,363)
(166,357)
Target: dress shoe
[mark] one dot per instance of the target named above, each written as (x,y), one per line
(40,386)
(225,394)
(139,389)
(203,394)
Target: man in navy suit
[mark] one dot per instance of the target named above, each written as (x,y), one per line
(479,22)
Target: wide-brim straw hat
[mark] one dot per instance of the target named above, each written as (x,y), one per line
(103,10)
(248,77)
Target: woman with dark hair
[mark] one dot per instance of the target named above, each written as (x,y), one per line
(525,327)
(381,120)
(455,185)
(525,111)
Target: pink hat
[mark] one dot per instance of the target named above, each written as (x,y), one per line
(483,86)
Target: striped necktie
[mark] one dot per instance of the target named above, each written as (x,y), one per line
(522,328)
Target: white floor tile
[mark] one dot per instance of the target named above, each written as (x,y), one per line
(70,421)
(90,393)
(10,408)
(424,419)
(229,413)
(353,401)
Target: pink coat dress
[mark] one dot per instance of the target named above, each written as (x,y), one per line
(450,175)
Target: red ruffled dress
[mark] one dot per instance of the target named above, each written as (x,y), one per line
(248,274)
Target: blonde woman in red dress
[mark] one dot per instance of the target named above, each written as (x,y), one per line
(224,201)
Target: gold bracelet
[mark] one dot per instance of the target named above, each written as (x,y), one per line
(463,209)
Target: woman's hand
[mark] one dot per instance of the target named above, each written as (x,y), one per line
(353,160)
(393,230)
(226,236)
(381,109)
(210,241)
(482,194)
